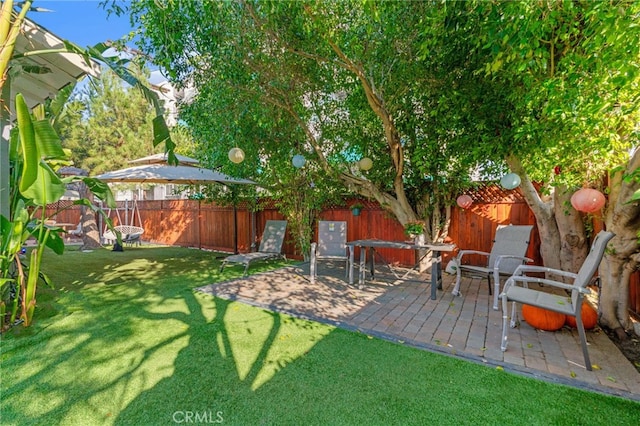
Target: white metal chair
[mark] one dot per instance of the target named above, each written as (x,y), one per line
(331,245)
(270,246)
(77,231)
(510,245)
(516,290)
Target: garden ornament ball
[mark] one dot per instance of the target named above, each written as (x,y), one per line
(510,181)
(236,155)
(464,201)
(588,200)
(365,164)
(298,161)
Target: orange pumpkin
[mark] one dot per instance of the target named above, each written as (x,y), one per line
(589,317)
(543,319)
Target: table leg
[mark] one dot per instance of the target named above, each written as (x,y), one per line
(436,277)
(351,250)
(363,269)
(312,264)
(372,264)
(438,261)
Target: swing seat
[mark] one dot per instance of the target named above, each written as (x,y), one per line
(130,234)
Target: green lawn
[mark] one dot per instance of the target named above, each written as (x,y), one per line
(124,339)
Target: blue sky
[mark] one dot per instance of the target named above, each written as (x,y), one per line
(82,22)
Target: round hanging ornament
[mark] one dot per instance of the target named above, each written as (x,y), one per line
(510,181)
(236,155)
(298,161)
(464,201)
(365,164)
(588,200)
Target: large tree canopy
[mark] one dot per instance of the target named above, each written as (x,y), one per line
(332,81)
(431,91)
(570,75)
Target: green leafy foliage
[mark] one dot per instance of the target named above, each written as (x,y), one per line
(35,184)
(285,78)
(569,79)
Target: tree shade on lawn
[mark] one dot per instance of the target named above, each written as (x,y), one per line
(127,340)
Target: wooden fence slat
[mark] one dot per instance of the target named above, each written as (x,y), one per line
(203,225)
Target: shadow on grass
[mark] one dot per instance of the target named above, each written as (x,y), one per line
(122,323)
(133,344)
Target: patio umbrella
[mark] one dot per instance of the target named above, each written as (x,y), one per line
(164,173)
(156,170)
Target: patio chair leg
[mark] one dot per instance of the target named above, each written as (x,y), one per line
(583,342)
(456,288)
(514,315)
(346,269)
(496,292)
(505,319)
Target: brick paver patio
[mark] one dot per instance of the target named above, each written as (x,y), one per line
(465,326)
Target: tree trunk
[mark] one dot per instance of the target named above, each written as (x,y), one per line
(571,231)
(561,232)
(623,255)
(543,211)
(614,294)
(90,234)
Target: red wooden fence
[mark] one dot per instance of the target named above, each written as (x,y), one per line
(208,226)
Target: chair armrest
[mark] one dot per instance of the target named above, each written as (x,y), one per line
(463,252)
(523,269)
(525,279)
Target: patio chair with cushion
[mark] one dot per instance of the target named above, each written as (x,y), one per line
(516,290)
(331,246)
(510,245)
(270,246)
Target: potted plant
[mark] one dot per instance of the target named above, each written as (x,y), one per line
(356,208)
(414,228)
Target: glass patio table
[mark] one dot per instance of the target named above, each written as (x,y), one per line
(371,245)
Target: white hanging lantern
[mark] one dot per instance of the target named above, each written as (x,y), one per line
(365,164)
(298,161)
(236,155)
(510,181)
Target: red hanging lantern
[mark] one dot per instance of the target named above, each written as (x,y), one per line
(587,200)
(464,201)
